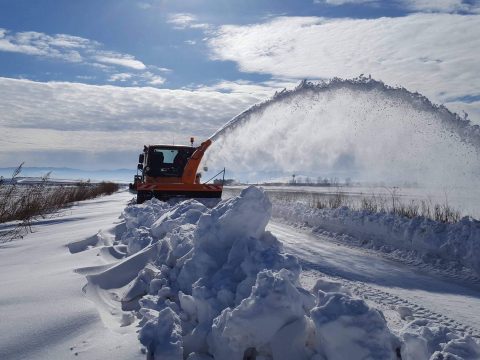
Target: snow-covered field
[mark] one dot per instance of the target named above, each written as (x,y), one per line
(464,200)
(230,283)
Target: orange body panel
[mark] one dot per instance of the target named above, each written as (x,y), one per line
(190,171)
(179,187)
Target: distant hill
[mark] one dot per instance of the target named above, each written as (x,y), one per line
(117,175)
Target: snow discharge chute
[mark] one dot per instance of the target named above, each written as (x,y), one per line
(358,128)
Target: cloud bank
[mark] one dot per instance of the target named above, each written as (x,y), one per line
(75,49)
(65,47)
(448,6)
(53,123)
(429,53)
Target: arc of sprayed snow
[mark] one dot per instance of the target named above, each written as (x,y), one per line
(461,125)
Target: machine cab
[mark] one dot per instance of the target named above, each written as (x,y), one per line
(171,171)
(167,161)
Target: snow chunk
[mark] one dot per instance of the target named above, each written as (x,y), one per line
(186,212)
(345,326)
(424,340)
(464,348)
(325,286)
(162,335)
(273,304)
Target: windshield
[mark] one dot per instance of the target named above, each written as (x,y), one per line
(168,162)
(167,154)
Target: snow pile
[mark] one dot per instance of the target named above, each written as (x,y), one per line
(424,340)
(458,242)
(220,287)
(138,221)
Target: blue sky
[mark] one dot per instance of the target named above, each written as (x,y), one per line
(147,31)
(86,83)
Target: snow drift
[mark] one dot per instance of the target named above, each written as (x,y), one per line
(358,128)
(213,284)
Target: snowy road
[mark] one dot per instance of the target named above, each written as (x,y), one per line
(384,282)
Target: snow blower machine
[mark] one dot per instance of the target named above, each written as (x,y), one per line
(170,171)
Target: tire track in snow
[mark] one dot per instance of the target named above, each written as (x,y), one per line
(418,312)
(389,301)
(338,263)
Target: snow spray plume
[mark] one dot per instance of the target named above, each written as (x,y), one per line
(358,128)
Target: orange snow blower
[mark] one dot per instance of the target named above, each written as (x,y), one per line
(170,171)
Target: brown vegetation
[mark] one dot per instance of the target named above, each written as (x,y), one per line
(388,204)
(374,203)
(23,204)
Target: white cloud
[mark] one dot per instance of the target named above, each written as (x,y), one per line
(146,77)
(448,6)
(69,41)
(60,46)
(120,77)
(160,69)
(430,53)
(343,2)
(85,77)
(266,89)
(120,59)
(65,47)
(81,50)
(156,80)
(441,5)
(183,21)
(153,79)
(144,6)
(78,122)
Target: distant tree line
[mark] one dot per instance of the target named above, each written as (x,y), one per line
(319,181)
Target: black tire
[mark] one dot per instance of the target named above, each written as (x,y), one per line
(143,196)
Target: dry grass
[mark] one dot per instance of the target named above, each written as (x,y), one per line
(390,204)
(23,204)
(374,203)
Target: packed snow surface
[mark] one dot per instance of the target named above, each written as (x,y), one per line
(43,311)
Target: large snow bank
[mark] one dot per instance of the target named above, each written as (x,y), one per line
(458,242)
(213,284)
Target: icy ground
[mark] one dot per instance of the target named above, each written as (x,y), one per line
(183,275)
